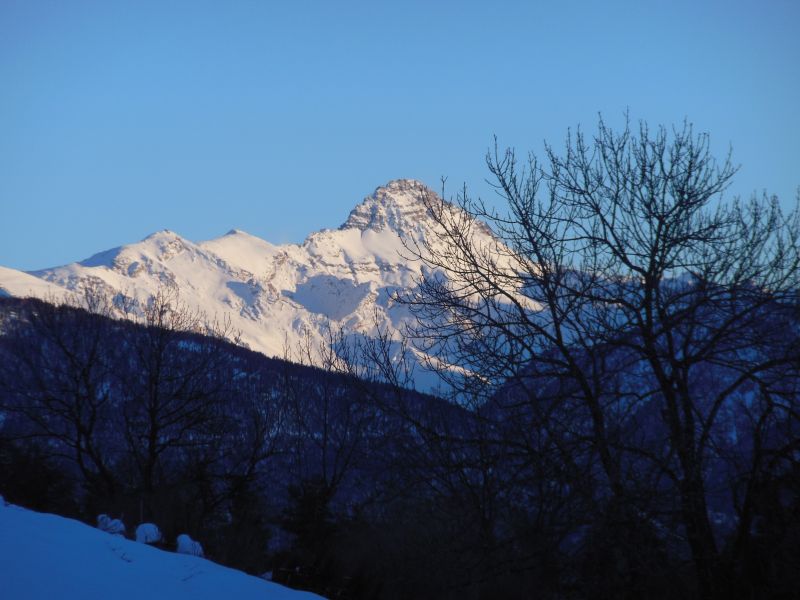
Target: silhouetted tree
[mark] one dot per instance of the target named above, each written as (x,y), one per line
(55,370)
(635,314)
(178,375)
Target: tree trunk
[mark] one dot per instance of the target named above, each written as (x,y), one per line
(700,535)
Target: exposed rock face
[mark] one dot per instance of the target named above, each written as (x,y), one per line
(398,206)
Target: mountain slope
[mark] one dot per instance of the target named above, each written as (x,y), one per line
(275,295)
(18,283)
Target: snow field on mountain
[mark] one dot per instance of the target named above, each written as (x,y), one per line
(273,295)
(18,283)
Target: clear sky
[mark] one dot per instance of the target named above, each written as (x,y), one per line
(118,119)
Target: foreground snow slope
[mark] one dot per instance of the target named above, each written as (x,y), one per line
(46,556)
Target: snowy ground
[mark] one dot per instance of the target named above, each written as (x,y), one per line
(44,556)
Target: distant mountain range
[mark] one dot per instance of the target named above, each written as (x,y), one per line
(275,295)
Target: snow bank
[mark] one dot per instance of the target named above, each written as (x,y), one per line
(109,525)
(148,533)
(46,556)
(187,545)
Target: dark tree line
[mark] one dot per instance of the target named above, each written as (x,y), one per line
(273,466)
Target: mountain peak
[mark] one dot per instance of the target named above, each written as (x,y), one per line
(240,232)
(160,239)
(403,185)
(397,205)
(161,234)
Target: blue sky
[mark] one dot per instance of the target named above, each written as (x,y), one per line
(118,119)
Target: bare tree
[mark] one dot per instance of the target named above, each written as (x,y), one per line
(180,371)
(619,283)
(55,370)
(330,415)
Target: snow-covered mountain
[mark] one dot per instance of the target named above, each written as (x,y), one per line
(273,294)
